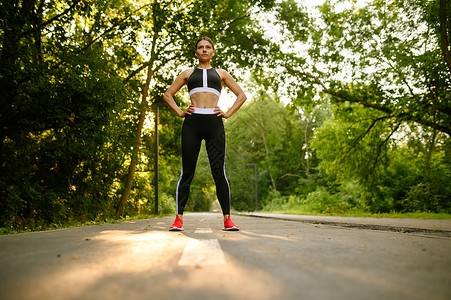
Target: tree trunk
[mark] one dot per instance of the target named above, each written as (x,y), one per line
(145,92)
(444,35)
(134,159)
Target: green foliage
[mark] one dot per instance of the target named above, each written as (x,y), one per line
(65,124)
(320,201)
(203,191)
(392,174)
(367,126)
(70,135)
(433,193)
(166,205)
(260,133)
(386,79)
(71,77)
(173,29)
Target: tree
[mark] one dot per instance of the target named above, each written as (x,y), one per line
(64,111)
(376,56)
(407,72)
(71,74)
(445,31)
(174,26)
(261,133)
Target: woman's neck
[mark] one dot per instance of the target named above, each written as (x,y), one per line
(204,65)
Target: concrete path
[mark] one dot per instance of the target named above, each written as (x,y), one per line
(269,258)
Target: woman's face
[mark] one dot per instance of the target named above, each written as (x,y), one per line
(204,51)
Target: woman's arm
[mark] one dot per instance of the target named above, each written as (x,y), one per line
(236,89)
(168,97)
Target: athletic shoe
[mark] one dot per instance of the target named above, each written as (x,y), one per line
(229,226)
(177,226)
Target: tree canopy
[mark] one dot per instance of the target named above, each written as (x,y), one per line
(351,104)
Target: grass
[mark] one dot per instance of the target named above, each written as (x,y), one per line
(363,214)
(5,230)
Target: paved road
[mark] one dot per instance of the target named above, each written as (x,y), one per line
(426,226)
(267,259)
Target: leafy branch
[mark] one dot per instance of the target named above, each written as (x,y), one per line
(389,111)
(226,26)
(112,27)
(55,18)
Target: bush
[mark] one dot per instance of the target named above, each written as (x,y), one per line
(166,204)
(275,201)
(318,201)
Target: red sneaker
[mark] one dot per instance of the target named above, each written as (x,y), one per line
(229,226)
(177,226)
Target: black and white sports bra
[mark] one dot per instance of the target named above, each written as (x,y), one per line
(204,80)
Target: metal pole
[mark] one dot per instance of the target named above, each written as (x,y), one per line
(256,193)
(157,143)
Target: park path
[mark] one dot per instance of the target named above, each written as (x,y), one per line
(270,258)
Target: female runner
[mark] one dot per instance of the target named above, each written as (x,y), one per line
(203,121)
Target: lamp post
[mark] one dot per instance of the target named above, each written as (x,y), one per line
(256,194)
(157,143)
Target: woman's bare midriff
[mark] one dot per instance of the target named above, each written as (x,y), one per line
(204,100)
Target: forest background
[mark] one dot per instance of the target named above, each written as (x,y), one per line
(349,106)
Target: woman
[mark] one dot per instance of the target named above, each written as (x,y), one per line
(203,121)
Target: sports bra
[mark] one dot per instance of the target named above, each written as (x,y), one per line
(204,80)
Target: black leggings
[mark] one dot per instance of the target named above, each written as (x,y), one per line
(198,127)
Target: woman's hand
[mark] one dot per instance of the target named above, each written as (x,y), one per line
(188,111)
(220,113)
(236,89)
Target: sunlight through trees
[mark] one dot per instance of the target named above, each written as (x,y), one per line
(350,105)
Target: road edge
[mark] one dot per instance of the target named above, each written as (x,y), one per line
(432,232)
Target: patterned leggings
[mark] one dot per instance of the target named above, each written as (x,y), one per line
(198,127)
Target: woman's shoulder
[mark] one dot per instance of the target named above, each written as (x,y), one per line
(188,71)
(223,73)
(186,74)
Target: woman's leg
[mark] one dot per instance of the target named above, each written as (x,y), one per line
(216,148)
(191,143)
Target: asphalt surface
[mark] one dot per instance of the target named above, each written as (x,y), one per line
(426,226)
(271,257)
